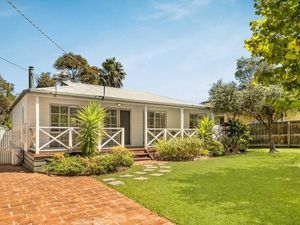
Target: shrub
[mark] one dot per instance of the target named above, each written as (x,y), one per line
(122,156)
(62,164)
(236,138)
(215,148)
(65,164)
(179,149)
(205,129)
(91,120)
(205,133)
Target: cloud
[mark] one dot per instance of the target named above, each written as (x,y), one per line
(175,10)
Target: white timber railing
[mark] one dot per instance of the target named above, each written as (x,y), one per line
(169,134)
(66,138)
(112,136)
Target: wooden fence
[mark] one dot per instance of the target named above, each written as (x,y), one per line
(285,134)
(9,141)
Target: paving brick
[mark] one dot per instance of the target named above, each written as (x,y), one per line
(33,198)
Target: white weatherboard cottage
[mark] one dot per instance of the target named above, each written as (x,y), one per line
(46,117)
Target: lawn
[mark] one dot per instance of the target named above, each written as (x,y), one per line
(253,188)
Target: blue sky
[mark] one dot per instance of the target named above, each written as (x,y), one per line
(175,48)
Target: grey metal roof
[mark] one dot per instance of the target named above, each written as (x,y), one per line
(121,94)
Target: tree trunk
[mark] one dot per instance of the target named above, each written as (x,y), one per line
(271,142)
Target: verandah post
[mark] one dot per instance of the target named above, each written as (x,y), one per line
(37,124)
(182,122)
(146,127)
(123,136)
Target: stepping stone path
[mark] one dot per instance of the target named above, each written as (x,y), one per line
(140,172)
(156,174)
(151,167)
(126,175)
(109,179)
(140,178)
(165,167)
(158,169)
(164,171)
(116,183)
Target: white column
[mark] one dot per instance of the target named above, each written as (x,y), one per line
(123,136)
(37,124)
(145,127)
(182,122)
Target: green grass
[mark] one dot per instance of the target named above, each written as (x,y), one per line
(253,188)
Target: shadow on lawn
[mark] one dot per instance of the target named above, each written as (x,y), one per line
(269,191)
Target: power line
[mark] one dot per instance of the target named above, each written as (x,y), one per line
(44,34)
(12,63)
(18,66)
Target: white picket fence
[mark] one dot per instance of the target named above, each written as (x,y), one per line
(9,141)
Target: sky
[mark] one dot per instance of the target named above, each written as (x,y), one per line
(175,48)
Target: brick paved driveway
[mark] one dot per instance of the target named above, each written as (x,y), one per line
(31,198)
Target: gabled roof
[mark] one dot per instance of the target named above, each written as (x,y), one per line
(111,93)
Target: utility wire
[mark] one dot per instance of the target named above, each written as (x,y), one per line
(12,63)
(44,34)
(18,66)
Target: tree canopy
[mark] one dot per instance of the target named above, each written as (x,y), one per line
(77,69)
(225,97)
(45,80)
(275,38)
(252,69)
(112,73)
(7,98)
(71,65)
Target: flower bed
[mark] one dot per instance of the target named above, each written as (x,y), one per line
(64,164)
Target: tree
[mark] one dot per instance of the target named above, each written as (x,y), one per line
(275,38)
(45,80)
(6,100)
(112,73)
(71,65)
(90,76)
(225,98)
(267,104)
(252,69)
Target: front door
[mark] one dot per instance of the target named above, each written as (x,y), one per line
(125,122)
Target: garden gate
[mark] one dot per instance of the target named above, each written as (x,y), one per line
(9,141)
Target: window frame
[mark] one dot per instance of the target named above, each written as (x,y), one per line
(155,120)
(199,116)
(59,114)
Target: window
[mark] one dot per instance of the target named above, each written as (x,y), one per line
(112,118)
(62,116)
(194,119)
(157,120)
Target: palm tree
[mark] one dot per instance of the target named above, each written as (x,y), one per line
(112,73)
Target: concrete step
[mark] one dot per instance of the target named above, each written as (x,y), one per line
(142,159)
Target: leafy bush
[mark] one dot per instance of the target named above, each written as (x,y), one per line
(205,133)
(179,149)
(122,156)
(64,164)
(236,138)
(91,120)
